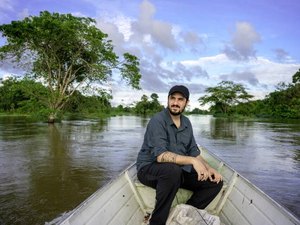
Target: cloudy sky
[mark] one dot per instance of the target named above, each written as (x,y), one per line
(197,43)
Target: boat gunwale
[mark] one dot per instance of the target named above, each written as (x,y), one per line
(288,213)
(68,215)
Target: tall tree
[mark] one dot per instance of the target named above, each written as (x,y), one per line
(143,105)
(147,106)
(155,106)
(65,53)
(225,95)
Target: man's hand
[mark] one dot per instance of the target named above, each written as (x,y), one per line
(214,176)
(201,170)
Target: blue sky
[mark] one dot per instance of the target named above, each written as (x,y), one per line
(193,42)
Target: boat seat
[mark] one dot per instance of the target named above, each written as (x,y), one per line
(147,195)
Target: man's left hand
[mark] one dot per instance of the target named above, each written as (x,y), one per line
(214,176)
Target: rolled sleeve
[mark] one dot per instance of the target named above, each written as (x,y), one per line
(194,151)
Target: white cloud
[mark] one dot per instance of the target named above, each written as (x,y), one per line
(271,73)
(244,76)
(262,69)
(124,26)
(160,31)
(114,33)
(192,39)
(283,56)
(241,46)
(118,28)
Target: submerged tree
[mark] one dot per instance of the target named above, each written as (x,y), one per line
(225,95)
(65,53)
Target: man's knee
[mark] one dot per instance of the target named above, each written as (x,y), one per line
(219,185)
(173,173)
(217,188)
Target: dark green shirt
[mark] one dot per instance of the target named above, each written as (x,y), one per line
(162,135)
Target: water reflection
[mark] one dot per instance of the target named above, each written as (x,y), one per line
(49,169)
(54,179)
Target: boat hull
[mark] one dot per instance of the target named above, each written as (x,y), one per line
(125,201)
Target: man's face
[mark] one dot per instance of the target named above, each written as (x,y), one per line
(176,103)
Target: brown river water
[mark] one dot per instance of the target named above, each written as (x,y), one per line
(46,170)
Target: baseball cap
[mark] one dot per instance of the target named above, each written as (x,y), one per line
(181,89)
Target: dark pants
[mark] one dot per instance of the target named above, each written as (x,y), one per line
(167,178)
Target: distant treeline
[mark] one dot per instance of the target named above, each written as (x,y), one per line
(282,103)
(28,97)
(231,99)
(25,96)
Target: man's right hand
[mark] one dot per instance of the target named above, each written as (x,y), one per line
(201,170)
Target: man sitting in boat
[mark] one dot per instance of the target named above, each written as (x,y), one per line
(170,159)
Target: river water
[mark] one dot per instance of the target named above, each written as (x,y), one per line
(46,170)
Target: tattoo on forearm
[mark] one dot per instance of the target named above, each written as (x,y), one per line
(168,157)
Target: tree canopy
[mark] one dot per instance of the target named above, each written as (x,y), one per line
(225,95)
(146,106)
(65,53)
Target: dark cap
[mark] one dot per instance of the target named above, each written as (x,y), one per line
(181,89)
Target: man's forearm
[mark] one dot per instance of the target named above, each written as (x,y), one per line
(199,164)
(203,161)
(175,158)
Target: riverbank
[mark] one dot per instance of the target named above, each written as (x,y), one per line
(113,113)
(66,116)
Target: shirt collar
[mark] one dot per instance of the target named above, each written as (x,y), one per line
(170,121)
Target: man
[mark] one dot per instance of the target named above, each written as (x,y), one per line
(170,159)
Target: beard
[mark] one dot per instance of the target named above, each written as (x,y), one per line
(175,113)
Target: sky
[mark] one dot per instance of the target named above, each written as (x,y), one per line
(196,43)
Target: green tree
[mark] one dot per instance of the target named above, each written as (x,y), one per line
(22,96)
(155,106)
(154,97)
(82,104)
(224,96)
(198,111)
(296,77)
(284,102)
(66,53)
(9,95)
(146,106)
(142,106)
